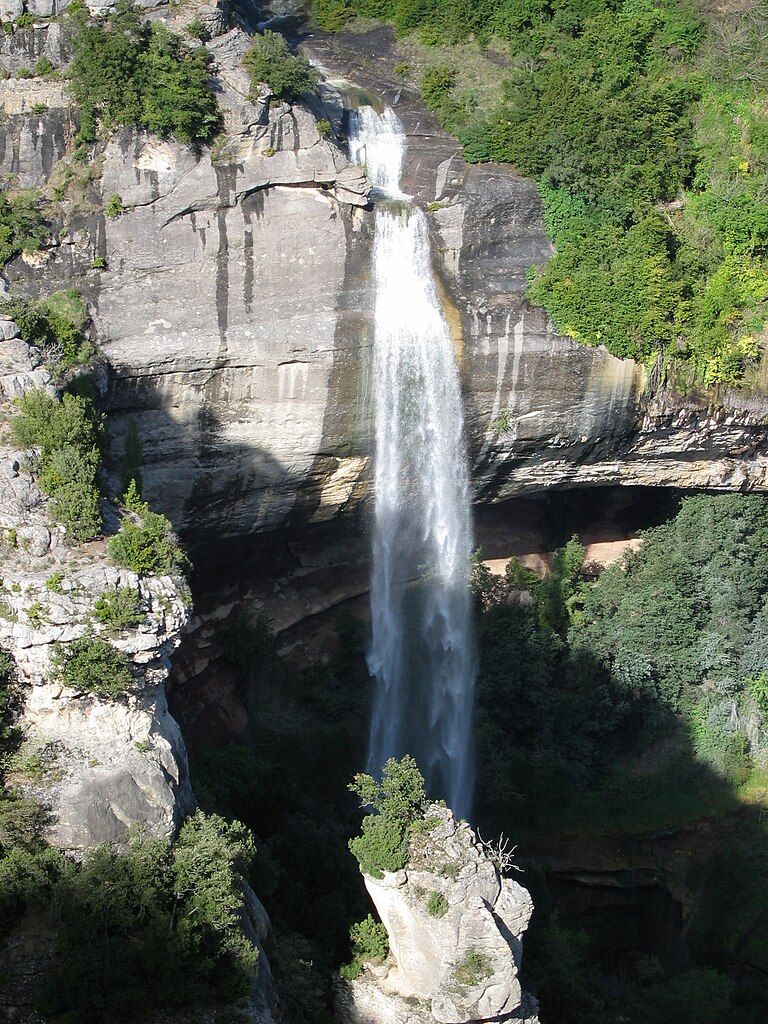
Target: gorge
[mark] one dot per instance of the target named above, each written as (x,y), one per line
(279,304)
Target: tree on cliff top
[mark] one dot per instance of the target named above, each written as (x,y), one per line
(126,72)
(271,61)
(398,802)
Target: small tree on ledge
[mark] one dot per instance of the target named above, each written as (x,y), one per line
(398,803)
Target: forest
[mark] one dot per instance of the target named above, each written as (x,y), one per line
(644,126)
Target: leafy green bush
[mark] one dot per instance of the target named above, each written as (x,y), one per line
(147,547)
(398,802)
(43,66)
(437,904)
(118,607)
(369,944)
(22,225)
(68,433)
(54,582)
(156,926)
(114,207)
(55,326)
(270,61)
(90,665)
(126,72)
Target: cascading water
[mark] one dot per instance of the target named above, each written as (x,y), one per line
(422,651)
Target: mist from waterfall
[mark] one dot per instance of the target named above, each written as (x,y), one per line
(422,652)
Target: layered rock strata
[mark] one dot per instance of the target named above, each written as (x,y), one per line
(234,299)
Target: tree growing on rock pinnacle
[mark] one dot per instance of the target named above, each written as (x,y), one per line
(398,803)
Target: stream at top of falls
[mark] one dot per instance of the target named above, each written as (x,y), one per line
(422,652)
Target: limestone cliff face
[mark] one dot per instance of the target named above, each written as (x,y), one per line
(235,304)
(455,929)
(99,765)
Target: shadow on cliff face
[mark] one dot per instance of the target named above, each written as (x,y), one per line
(285,774)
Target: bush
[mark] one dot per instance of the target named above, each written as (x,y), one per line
(68,433)
(93,666)
(398,802)
(437,904)
(44,67)
(119,608)
(473,968)
(114,207)
(154,927)
(56,326)
(148,547)
(22,225)
(270,61)
(369,944)
(126,72)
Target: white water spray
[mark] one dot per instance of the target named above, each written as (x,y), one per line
(422,651)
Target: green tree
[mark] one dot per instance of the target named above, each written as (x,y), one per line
(147,547)
(398,802)
(271,61)
(90,665)
(125,72)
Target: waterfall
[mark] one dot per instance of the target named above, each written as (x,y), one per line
(422,650)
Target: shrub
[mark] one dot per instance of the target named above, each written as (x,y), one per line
(154,927)
(54,582)
(148,547)
(94,666)
(52,424)
(67,432)
(398,802)
(324,126)
(114,207)
(198,30)
(44,67)
(369,944)
(271,62)
(55,327)
(437,904)
(119,608)
(126,72)
(22,225)
(473,968)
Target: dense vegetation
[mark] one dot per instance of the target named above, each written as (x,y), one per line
(56,326)
(128,72)
(69,434)
(91,665)
(22,225)
(146,543)
(636,703)
(397,804)
(672,641)
(154,927)
(271,61)
(644,124)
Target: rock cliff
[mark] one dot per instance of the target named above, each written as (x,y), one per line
(233,299)
(455,926)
